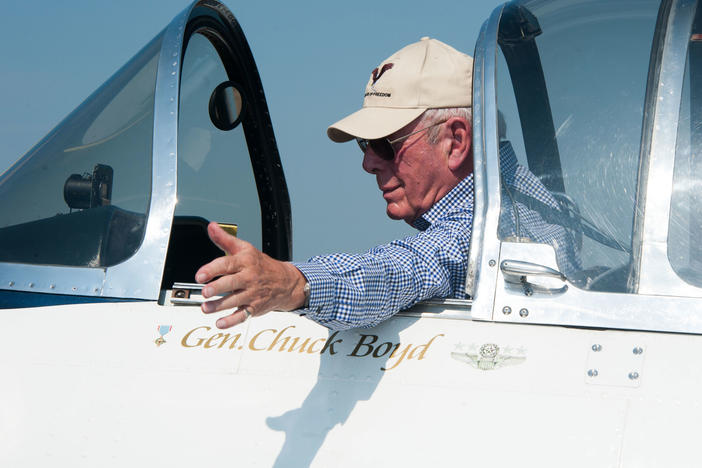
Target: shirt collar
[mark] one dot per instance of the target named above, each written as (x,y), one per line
(457,196)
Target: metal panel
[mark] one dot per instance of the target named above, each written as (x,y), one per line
(576,307)
(52,279)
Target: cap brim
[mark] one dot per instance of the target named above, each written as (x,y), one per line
(372,122)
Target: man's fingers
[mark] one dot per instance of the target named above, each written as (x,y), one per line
(222,239)
(235,318)
(229,301)
(224,285)
(226,265)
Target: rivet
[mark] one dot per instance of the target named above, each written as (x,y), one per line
(633,375)
(74,288)
(52,286)
(592,373)
(523,312)
(638,350)
(492,263)
(597,348)
(31,285)
(96,289)
(506,310)
(12,283)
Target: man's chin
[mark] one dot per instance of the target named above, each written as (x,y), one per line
(393,213)
(392,216)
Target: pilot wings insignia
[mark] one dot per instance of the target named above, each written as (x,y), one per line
(488,357)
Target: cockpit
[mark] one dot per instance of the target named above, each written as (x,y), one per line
(593,99)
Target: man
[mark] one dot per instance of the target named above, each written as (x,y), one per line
(415,133)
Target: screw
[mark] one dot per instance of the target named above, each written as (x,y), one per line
(523,312)
(52,286)
(633,375)
(492,263)
(597,348)
(638,350)
(506,310)
(31,285)
(12,283)
(592,373)
(528,290)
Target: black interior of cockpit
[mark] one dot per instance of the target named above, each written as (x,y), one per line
(189,248)
(95,237)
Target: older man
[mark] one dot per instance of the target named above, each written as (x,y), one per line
(415,133)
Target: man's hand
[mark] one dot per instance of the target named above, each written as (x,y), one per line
(250,280)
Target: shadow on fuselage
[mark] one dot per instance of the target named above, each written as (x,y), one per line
(341,384)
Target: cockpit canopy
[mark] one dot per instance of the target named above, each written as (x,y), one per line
(585,90)
(115,200)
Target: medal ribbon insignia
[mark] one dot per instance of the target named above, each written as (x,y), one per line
(162,330)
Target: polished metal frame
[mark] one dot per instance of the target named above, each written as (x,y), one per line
(485,246)
(657,276)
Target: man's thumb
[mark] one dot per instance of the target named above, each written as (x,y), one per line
(228,243)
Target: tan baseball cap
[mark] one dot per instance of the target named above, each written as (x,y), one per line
(425,75)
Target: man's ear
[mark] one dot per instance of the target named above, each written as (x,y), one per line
(461,142)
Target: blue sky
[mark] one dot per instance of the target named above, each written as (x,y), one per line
(314,59)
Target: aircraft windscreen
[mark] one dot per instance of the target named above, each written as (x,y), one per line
(577,127)
(80,197)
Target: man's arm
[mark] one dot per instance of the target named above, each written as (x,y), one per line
(347,290)
(363,290)
(249,279)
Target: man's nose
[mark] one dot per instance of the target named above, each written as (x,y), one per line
(372,163)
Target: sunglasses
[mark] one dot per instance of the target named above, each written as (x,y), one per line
(383,147)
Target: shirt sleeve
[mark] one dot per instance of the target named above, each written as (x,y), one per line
(362,290)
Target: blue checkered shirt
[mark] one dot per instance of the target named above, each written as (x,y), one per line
(362,290)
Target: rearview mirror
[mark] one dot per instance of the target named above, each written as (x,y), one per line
(226,105)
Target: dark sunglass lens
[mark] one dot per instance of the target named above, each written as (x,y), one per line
(382,148)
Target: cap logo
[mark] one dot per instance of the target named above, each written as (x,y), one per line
(377,74)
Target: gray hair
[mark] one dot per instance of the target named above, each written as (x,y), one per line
(433,116)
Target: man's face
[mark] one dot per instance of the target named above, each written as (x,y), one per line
(415,179)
